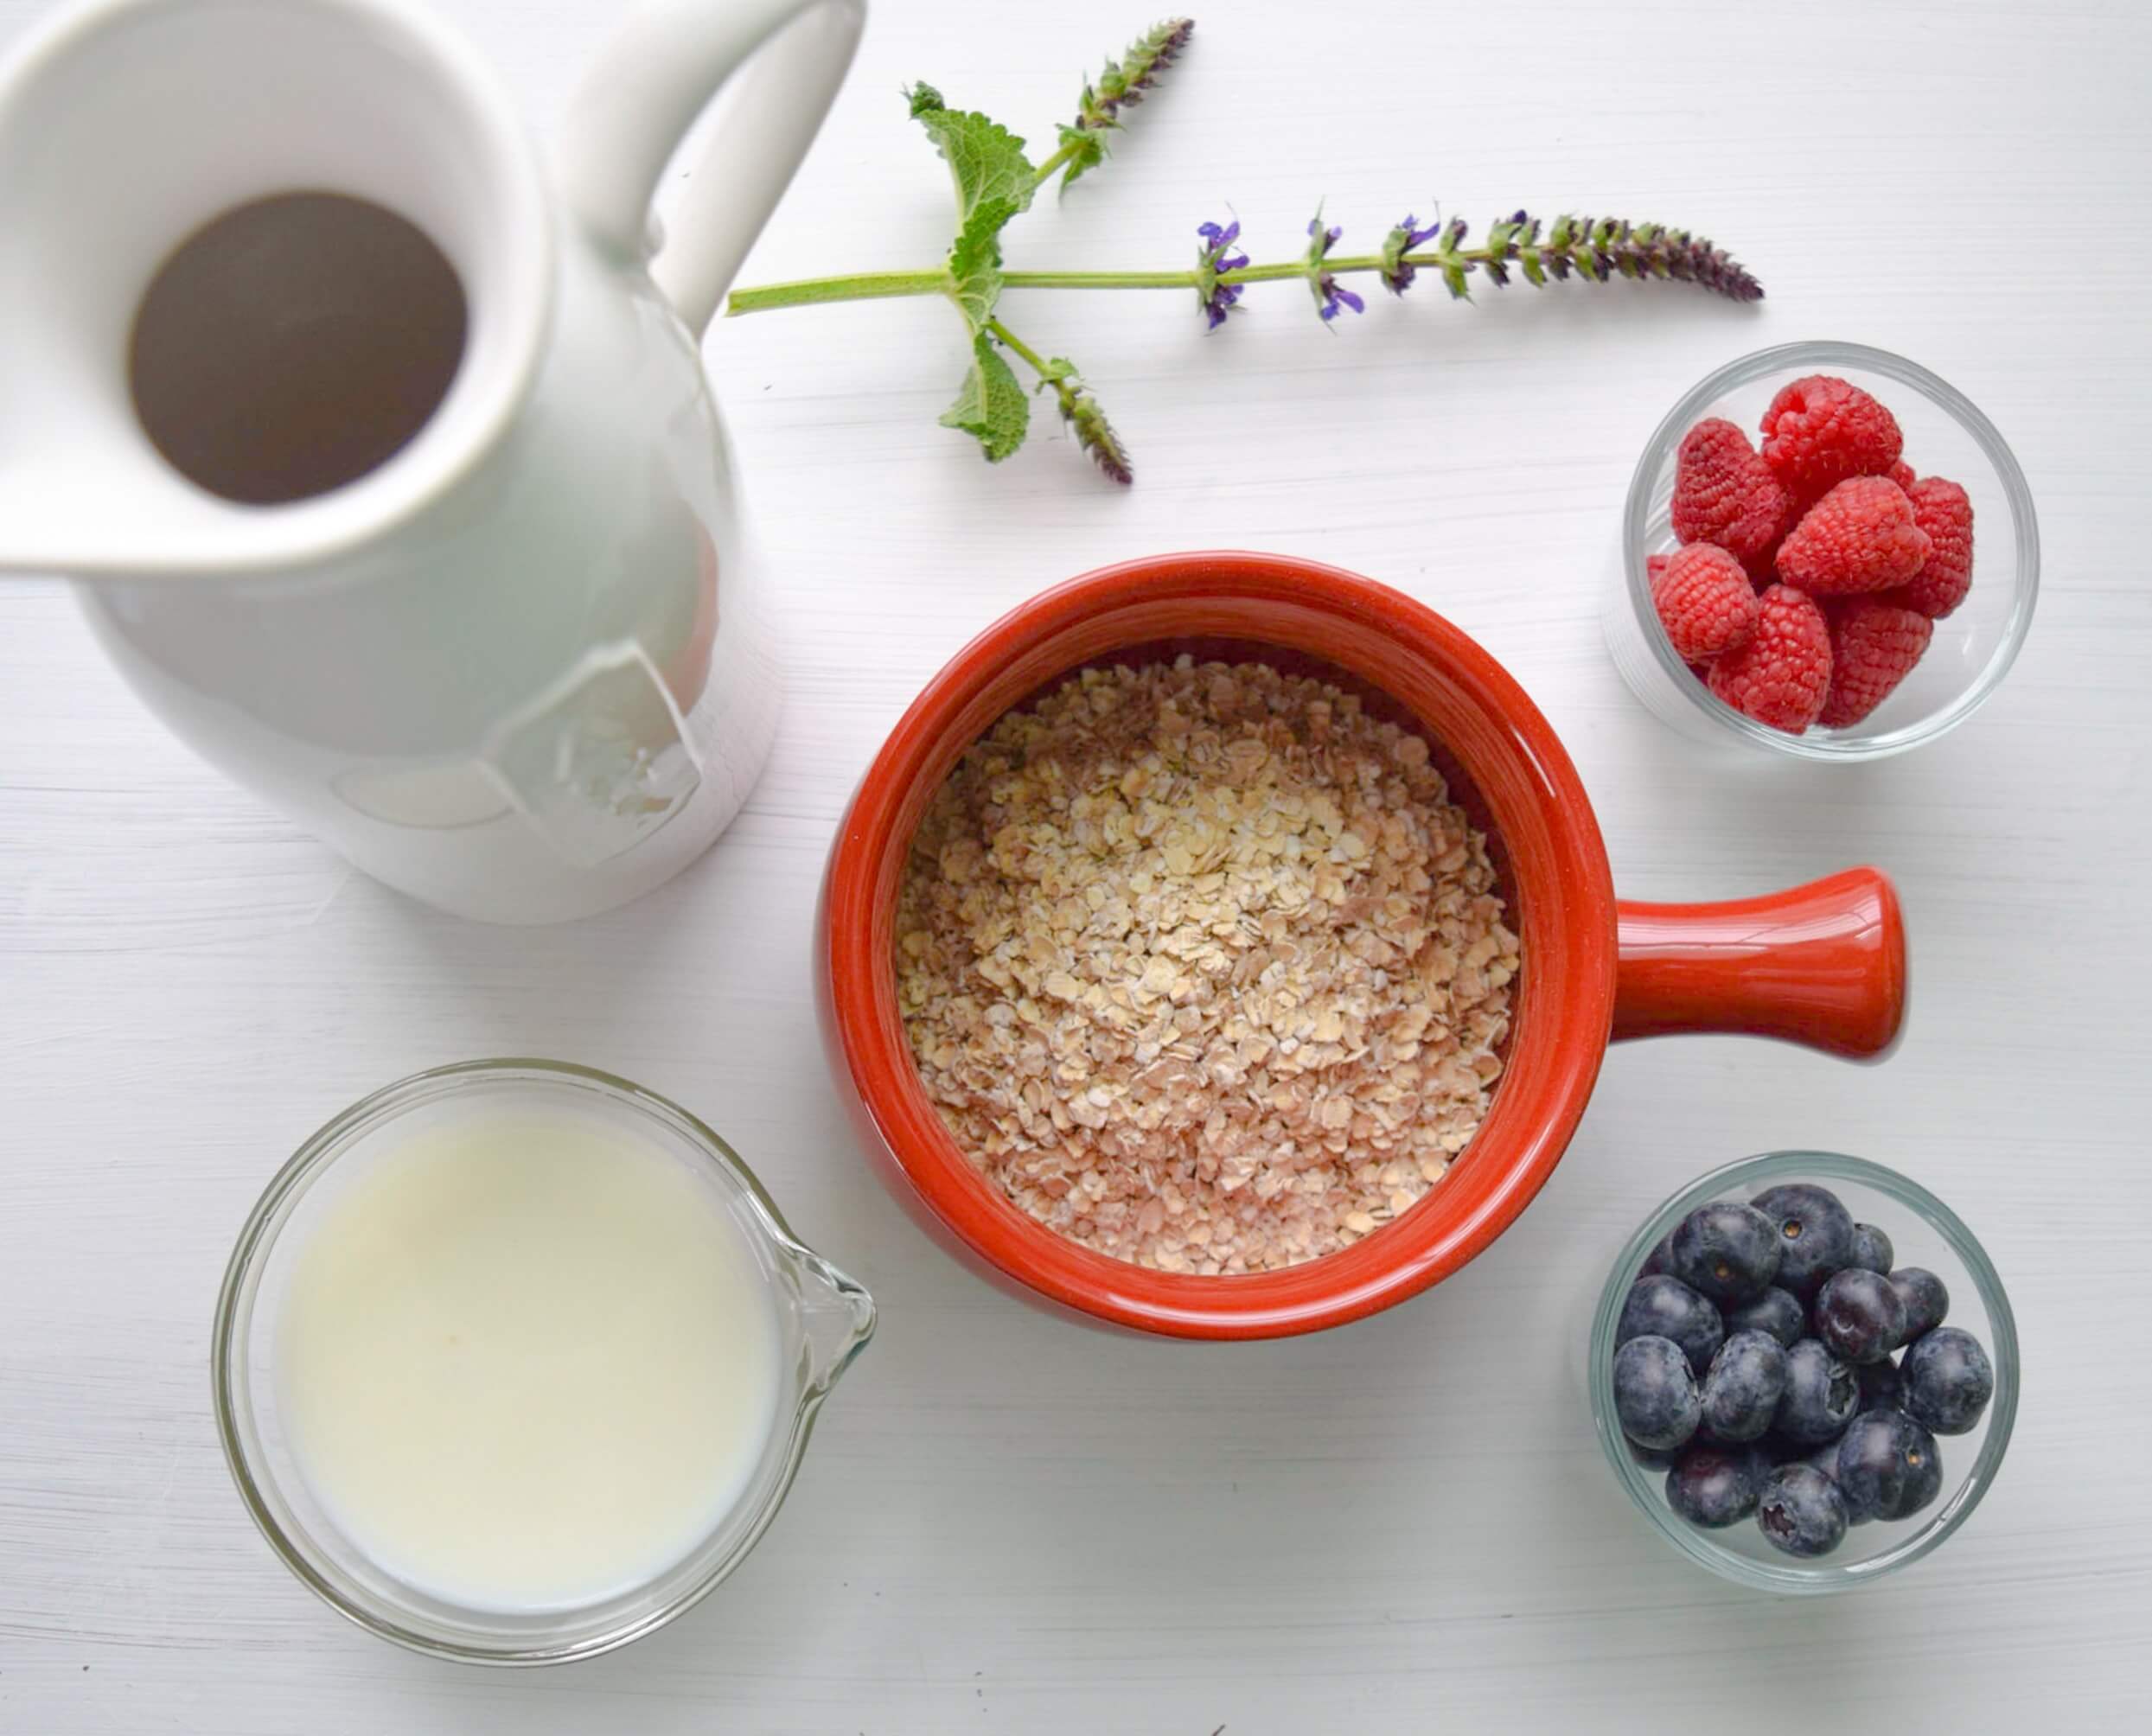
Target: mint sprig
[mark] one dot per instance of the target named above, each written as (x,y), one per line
(994,183)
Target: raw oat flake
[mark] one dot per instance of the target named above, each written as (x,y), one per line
(1201,966)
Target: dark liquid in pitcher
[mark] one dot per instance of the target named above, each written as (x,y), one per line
(293,344)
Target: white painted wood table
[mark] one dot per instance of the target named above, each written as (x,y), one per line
(1007,1522)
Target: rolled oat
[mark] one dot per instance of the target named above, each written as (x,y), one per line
(1201,966)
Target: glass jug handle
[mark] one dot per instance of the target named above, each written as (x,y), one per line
(644,93)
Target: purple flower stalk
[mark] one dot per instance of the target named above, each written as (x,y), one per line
(1217,299)
(1330,294)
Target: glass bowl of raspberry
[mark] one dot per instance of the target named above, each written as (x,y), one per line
(1871,1527)
(1887,537)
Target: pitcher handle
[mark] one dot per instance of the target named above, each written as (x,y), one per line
(650,83)
(1823,964)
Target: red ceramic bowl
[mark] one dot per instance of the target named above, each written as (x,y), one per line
(1823,964)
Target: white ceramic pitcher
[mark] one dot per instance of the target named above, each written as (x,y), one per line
(521,670)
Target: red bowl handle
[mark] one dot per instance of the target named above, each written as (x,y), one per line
(1823,964)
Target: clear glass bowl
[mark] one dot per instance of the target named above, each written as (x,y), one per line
(824,1320)
(1923,1232)
(1946,436)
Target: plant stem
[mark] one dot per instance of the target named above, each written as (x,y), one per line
(1047,169)
(859,287)
(1009,340)
(808,290)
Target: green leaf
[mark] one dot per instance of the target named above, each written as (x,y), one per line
(923,99)
(1535,273)
(993,182)
(975,264)
(992,407)
(1453,279)
(985,160)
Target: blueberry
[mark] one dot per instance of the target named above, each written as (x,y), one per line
(1655,1394)
(1859,1315)
(1823,1459)
(1660,1259)
(1652,1457)
(1712,1486)
(1801,1510)
(1926,1300)
(1741,1393)
(1879,1458)
(1924,1476)
(1667,1308)
(1725,1251)
(1815,1235)
(1871,1248)
(1820,1396)
(1881,1387)
(1948,1380)
(1776,1312)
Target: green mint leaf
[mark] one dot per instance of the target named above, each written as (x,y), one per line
(974,263)
(994,180)
(992,407)
(985,160)
(923,99)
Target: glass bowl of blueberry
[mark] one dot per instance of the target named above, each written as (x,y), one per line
(1803,1369)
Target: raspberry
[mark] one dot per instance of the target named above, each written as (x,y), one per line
(1859,537)
(1901,474)
(1724,493)
(1874,645)
(1763,569)
(1705,602)
(1945,511)
(1821,430)
(1781,675)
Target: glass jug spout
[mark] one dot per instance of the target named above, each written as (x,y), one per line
(835,1315)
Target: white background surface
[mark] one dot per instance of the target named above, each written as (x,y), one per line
(1005,1522)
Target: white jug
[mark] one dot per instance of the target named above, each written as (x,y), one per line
(521,669)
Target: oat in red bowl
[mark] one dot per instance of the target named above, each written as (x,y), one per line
(1202,967)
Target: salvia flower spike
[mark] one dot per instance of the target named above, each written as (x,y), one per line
(1397,275)
(994,184)
(1123,85)
(1217,299)
(1330,295)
